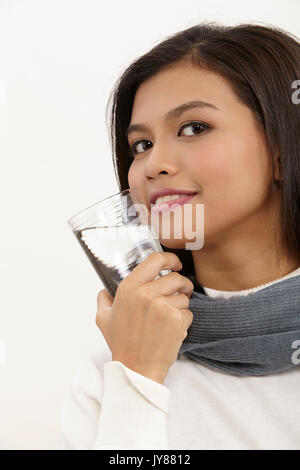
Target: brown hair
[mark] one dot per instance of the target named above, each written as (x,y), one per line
(260,63)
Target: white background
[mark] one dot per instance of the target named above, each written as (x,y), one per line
(59,60)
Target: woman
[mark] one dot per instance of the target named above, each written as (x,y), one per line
(211,111)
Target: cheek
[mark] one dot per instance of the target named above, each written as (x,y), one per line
(134,176)
(234,175)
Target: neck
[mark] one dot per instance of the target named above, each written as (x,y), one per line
(240,266)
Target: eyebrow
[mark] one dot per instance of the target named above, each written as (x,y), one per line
(174,113)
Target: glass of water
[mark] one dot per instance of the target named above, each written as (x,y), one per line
(116,236)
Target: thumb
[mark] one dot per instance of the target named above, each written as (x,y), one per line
(104,305)
(104,299)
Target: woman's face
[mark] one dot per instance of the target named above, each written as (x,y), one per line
(220,154)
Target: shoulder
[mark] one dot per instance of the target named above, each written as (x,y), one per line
(88,377)
(96,361)
(81,403)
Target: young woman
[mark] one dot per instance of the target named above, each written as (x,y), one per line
(213,111)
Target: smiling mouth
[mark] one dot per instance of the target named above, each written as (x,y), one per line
(167,205)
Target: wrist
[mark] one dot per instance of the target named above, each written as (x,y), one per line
(156,376)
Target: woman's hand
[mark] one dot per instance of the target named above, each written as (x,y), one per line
(144,325)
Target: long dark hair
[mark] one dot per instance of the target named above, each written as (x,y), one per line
(261,63)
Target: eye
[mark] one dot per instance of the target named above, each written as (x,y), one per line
(198,126)
(138,142)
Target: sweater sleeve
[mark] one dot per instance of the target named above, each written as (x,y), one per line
(110,406)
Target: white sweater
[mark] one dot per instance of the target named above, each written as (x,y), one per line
(109,406)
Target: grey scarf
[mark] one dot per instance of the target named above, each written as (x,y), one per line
(251,335)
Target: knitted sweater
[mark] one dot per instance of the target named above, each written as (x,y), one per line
(110,406)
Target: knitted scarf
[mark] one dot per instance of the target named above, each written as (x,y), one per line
(257,334)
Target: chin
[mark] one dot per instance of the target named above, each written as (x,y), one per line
(174,244)
(179,244)
(173,238)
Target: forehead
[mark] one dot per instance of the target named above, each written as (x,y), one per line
(178,84)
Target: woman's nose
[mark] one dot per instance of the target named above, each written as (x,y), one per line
(160,160)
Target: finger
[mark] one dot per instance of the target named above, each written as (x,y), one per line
(180,301)
(104,303)
(148,269)
(171,283)
(187,318)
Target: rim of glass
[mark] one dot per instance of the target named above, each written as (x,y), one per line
(87,214)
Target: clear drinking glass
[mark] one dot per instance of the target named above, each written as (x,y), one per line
(116,236)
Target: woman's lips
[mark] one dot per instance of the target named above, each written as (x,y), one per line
(165,206)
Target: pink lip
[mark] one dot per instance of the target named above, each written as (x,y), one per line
(164,206)
(166,191)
